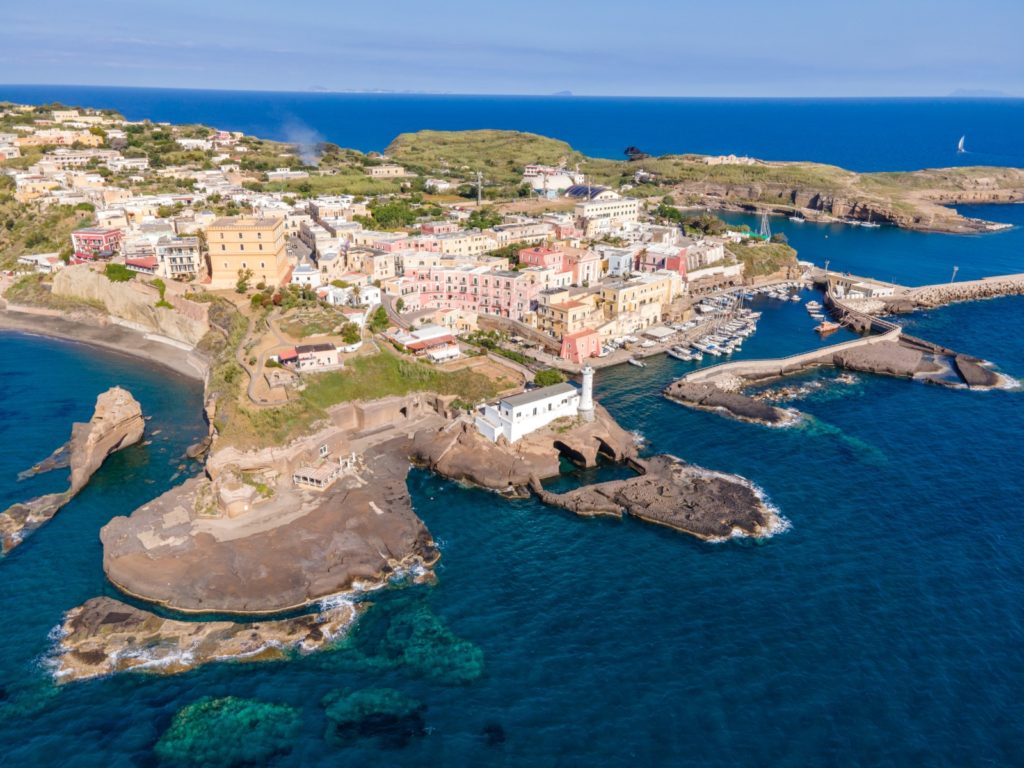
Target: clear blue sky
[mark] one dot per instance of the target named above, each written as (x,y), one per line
(641,47)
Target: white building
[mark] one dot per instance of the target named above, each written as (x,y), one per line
(306,274)
(519,415)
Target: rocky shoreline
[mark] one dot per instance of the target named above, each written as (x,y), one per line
(116,423)
(712,506)
(104,636)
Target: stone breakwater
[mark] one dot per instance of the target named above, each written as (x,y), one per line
(669,492)
(116,423)
(928,296)
(104,636)
(720,388)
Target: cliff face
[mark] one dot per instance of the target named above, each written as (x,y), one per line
(116,423)
(135,303)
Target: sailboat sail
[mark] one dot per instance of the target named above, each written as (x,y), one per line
(960,145)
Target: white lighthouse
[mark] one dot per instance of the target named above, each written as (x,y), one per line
(586,408)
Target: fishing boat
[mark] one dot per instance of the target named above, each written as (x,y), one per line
(678,355)
(960,145)
(826,327)
(637,363)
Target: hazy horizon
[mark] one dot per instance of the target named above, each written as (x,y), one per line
(793,49)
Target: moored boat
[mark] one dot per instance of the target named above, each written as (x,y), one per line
(637,363)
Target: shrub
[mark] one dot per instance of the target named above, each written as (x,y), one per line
(118,273)
(548,376)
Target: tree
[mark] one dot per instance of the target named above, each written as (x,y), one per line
(780,237)
(379,320)
(484,218)
(350,333)
(244,276)
(548,376)
(400,305)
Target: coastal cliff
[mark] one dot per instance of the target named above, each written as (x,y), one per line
(116,423)
(135,304)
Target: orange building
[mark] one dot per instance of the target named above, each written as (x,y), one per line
(242,243)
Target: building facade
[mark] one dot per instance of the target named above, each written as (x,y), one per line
(242,243)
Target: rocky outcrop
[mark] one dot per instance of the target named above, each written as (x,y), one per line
(104,636)
(889,358)
(975,375)
(135,304)
(680,496)
(459,452)
(713,398)
(115,424)
(287,547)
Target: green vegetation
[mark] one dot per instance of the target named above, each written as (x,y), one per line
(161,286)
(499,155)
(312,320)
(492,341)
(379,320)
(364,378)
(24,228)
(484,218)
(350,333)
(548,376)
(764,258)
(119,273)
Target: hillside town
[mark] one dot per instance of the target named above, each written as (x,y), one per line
(582,272)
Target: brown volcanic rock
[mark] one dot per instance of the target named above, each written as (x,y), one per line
(973,374)
(711,397)
(689,499)
(103,636)
(459,452)
(292,550)
(116,423)
(886,357)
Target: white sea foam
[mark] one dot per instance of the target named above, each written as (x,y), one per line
(777,522)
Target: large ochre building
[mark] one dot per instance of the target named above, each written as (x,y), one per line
(241,243)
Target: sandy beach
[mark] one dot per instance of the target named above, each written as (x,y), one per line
(109,336)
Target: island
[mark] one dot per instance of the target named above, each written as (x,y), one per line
(445,304)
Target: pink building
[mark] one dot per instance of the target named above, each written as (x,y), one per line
(542,257)
(586,267)
(577,347)
(439,227)
(657,257)
(476,289)
(96,242)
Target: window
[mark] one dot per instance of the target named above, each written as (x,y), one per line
(244,265)
(263,265)
(261,246)
(223,247)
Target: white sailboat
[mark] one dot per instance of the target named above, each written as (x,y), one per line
(960,145)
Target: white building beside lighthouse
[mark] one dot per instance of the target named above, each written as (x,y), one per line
(520,415)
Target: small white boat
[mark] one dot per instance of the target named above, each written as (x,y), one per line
(797,219)
(637,363)
(794,297)
(960,145)
(684,356)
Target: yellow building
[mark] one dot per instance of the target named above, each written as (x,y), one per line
(241,243)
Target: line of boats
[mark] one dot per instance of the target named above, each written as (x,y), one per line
(816,311)
(849,222)
(724,339)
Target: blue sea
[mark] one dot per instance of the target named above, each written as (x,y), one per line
(885,627)
(860,134)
